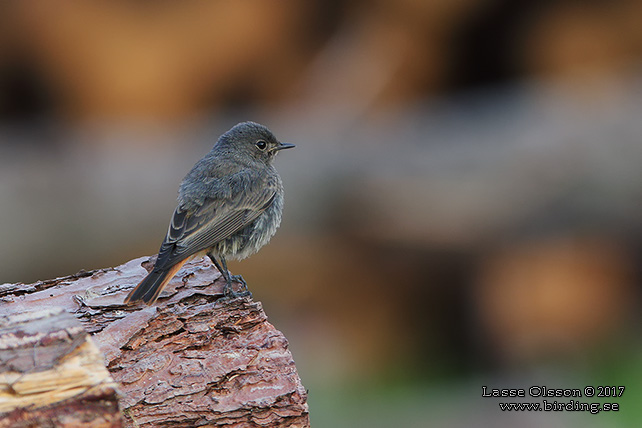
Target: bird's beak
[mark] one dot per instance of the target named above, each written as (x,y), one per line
(282,146)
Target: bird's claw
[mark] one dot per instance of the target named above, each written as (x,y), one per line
(229,292)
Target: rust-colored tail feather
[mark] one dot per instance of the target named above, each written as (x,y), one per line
(152,285)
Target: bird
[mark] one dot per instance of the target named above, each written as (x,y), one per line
(229,206)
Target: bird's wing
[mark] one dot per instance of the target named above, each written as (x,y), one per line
(197,229)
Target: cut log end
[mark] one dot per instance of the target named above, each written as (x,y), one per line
(52,373)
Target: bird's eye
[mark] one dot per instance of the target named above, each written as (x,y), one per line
(261,145)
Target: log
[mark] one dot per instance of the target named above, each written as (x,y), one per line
(52,374)
(192,359)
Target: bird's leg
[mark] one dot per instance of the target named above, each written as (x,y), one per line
(228,291)
(244,292)
(224,272)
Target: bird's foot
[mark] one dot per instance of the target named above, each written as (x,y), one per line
(229,292)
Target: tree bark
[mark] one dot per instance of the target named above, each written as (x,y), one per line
(192,359)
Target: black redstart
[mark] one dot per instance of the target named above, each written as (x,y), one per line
(229,206)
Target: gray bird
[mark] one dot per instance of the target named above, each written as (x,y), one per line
(229,206)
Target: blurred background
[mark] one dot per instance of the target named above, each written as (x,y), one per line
(463,208)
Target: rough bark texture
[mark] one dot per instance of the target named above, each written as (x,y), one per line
(52,374)
(192,359)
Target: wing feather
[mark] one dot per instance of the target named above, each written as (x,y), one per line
(201,227)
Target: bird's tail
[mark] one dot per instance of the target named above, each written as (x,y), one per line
(151,286)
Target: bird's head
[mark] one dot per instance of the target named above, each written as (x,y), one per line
(253,140)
